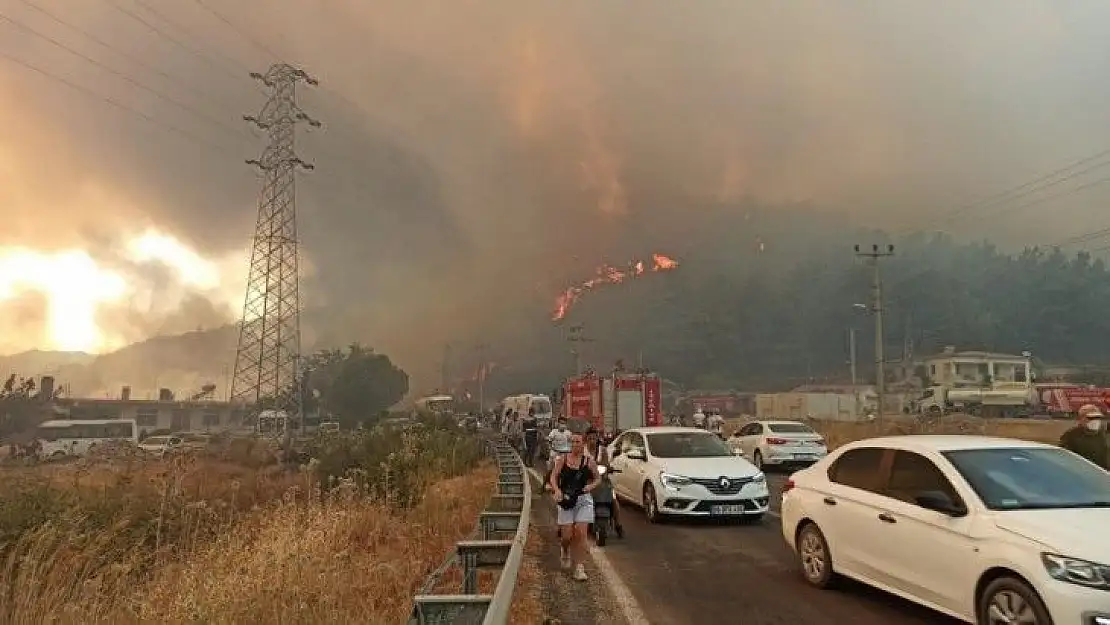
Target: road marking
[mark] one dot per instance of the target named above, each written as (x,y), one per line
(626,601)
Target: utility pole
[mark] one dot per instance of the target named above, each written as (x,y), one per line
(267,358)
(852,368)
(873,256)
(445,370)
(482,364)
(574,337)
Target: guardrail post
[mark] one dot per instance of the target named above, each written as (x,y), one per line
(470,573)
(503,528)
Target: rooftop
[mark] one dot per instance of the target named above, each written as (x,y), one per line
(976,354)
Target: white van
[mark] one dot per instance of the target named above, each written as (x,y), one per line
(540,404)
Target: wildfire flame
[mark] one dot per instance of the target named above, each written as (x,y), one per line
(607,274)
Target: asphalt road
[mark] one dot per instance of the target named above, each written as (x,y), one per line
(684,572)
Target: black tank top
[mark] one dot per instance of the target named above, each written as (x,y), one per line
(574,479)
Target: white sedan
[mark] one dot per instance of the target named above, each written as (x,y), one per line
(987,530)
(780,443)
(685,472)
(160,445)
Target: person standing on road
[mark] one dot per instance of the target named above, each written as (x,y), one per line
(699,418)
(572,478)
(531,437)
(715,423)
(558,443)
(1089,438)
(595,446)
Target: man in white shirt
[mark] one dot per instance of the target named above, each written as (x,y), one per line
(715,423)
(699,418)
(558,443)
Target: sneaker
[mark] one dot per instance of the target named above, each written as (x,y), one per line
(580,573)
(564,558)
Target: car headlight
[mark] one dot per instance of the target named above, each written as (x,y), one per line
(673,481)
(1076,571)
(759,478)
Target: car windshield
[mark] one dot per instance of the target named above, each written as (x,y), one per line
(687,445)
(1032,478)
(789,428)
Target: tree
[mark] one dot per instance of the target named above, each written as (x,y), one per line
(20,408)
(355,385)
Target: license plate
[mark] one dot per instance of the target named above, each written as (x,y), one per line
(726,510)
(803,456)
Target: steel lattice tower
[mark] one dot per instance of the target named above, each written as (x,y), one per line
(267,367)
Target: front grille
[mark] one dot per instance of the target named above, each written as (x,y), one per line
(735,485)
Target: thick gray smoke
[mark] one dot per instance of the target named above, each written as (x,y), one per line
(479,155)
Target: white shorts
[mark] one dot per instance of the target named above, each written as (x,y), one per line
(582,512)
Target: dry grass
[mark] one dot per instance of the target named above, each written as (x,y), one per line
(207,540)
(839,432)
(527,608)
(341,561)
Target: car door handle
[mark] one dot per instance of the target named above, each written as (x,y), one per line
(829,501)
(886,518)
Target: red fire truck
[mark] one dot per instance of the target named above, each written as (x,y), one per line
(615,402)
(1060,400)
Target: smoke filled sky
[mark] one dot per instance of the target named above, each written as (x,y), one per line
(478,154)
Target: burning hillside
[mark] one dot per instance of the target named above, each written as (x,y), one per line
(608,274)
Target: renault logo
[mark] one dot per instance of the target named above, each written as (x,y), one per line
(725,483)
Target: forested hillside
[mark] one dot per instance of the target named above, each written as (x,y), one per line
(745,323)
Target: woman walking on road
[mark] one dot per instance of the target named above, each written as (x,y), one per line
(572,478)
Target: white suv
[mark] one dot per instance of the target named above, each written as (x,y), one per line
(685,472)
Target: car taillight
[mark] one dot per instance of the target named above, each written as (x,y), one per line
(787,486)
(776,441)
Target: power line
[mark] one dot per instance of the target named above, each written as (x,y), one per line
(222,150)
(242,33)
(121,75)
(231,61)
(1057,196)
(184,46)
(1004,196)
(129,56)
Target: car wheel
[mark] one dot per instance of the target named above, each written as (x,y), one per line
(1011,600)
(757,459)
(651,504)
(813,556)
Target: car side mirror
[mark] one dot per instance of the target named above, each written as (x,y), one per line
(636,454)
(938,501)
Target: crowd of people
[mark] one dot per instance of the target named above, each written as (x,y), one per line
(571,462)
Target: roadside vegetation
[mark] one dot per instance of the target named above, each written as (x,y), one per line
(226,535)
(837,433)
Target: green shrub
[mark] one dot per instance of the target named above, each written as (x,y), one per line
(394,464)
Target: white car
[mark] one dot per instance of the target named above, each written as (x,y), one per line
(780,443)
(987,530)
(685,472)
(160,445)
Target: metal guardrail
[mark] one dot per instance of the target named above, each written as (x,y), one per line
(501,537)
